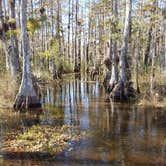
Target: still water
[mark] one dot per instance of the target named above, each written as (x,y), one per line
(118,134)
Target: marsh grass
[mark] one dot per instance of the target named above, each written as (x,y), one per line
(159,97)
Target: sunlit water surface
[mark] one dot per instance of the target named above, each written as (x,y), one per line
(116,134)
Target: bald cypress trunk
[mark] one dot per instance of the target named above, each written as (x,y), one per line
(123,56)
(114,71)
(26,97)
(123,90)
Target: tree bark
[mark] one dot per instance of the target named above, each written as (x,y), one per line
(13,48)
(153,66)
(3,37)
(146,57)
(147,51)
(52,67)
(164,29)
(137,55)
(68,42)
(123,56)
(165,48)
(114,57)
(26,97)
(10,44)
(123,90)
(76,38)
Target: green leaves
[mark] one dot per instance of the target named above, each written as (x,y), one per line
(13,32)
(33,25)
(116,36)
(52,52)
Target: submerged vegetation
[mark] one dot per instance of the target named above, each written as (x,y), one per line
(43,139)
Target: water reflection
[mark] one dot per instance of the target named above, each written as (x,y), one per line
(117,134)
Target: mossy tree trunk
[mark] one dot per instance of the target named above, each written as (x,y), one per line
(26,97)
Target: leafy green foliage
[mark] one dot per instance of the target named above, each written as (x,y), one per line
(59,60)
(13,32)
(33,25)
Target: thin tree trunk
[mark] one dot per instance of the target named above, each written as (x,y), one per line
(76,55)
(59,28)
(153,67)
(68,44)
(52,66)
(79,48)
(13,48)
(136,64)
(4,39)
(89,38)
(164,20)
(165,51)
(72,51)
(147,51)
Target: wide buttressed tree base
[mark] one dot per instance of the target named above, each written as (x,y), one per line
(122,89)
(27,97)
(122,92)
(26,102)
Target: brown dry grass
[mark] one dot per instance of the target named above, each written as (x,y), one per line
(8,89)
(159,98)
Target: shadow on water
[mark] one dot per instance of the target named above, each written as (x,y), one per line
(117,134)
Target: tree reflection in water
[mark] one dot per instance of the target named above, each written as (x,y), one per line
(117,134)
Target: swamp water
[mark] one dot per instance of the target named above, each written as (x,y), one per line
(116,134)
